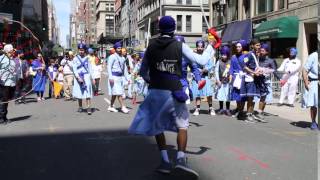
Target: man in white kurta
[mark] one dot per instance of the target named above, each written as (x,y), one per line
(289,82)
(82,89)
(117,72)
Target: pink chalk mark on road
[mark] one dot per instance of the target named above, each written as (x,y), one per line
(243,156)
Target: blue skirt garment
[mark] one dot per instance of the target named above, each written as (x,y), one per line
(223,93)
(206,91)
(158,113)
(310,98)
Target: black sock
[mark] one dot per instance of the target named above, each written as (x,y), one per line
(221,104)
(198,106)
(210,106)
(228,105)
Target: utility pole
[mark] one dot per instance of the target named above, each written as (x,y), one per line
(129,20)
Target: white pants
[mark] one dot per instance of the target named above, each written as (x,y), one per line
(290,90)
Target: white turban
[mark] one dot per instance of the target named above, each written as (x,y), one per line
(8,48)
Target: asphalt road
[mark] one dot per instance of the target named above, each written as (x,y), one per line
(50,140)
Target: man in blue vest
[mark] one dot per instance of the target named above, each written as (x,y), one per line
(164,108)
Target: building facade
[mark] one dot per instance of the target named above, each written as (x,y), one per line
(34,14)
(187,13)
(53,26)
(83,22)
(260,16)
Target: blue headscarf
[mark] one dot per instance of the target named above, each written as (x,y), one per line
(225,50)
(265,47)
(293,51)
(117,45)
(82,46)
(167,24)
(200,42)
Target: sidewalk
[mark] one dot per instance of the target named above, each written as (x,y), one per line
(296,113)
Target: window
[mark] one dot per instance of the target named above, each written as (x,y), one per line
(188,24)
(281,4)
(204,24)
(263,6)
(179,1)
(189,2)
(179,22)
(233,10)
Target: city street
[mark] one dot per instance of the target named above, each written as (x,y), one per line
(50,140)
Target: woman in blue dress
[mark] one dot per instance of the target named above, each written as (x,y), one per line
(38,68)
(237,76)
(207,90)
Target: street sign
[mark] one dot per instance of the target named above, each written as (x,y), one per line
(6,16)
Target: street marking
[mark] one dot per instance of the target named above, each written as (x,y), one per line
(296,133)
(244,156)
(107,101)
(52,128)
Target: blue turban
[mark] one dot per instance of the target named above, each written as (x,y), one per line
(141,55)
(117,45)
(243,43)
(225,51)
(82,46)
(265,47)
(180,38)
(200,42)
(167,24)
(90,50)
(293,51)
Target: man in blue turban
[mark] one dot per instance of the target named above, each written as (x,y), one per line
(117,73)
(82,89)
(289,81)
(164,108)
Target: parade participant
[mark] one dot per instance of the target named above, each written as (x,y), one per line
(164,108)
(138,82)
(38,70)
(289,82)
(52,75)
(22,85)
(222,74)
(207,90)
(195,71)
(237,77)
(268,67)
(250,88)
(129,65)
(97,70)
(68,75)
(58,84)
(91,56)
(310,79)
(82,89)
(117,71)
(8,78)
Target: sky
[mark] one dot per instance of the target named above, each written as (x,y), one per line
(63,11)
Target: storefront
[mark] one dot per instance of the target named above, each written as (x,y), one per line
(281,34)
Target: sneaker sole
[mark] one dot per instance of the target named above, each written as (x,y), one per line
(184,173)
(163,171)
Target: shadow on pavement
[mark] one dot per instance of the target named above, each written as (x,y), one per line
(301,124)
(20,118)
(98,155)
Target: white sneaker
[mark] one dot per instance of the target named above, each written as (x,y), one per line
(212,112)
(125,110)
(112,109)
(196,112)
